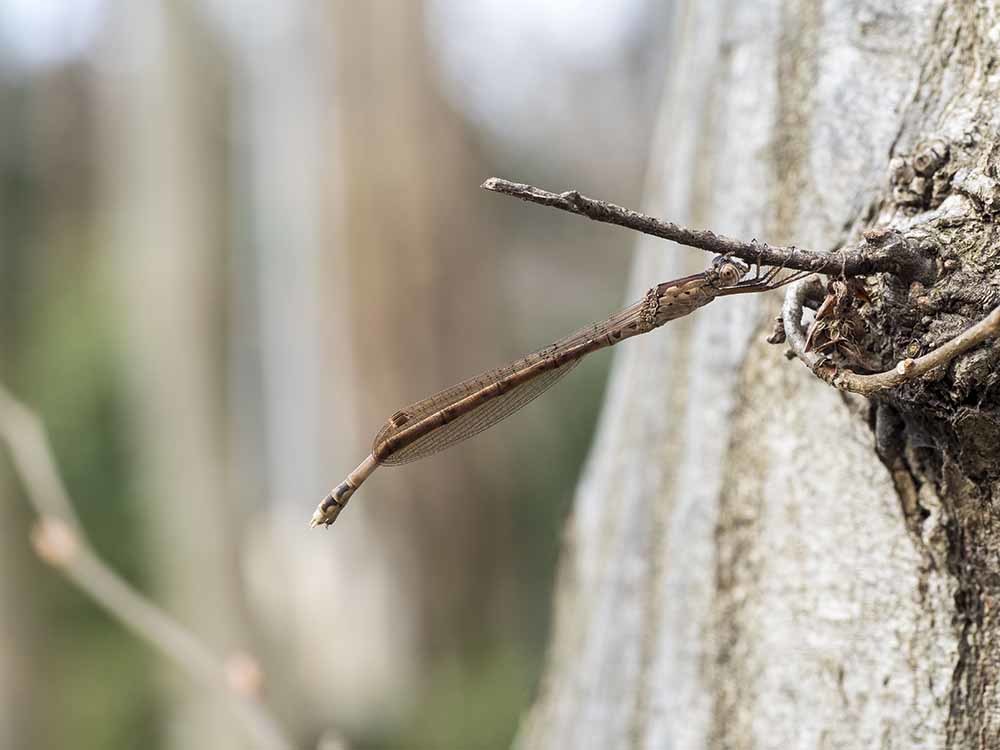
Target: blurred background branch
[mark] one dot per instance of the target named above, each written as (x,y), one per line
(59,539)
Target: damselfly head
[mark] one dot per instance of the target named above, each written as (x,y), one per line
(730,270)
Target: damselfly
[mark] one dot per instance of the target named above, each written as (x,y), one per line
(478,403)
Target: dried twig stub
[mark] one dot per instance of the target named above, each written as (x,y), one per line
(778,332)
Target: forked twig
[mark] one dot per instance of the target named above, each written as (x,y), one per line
(895,256)
(906,370)
(59,540)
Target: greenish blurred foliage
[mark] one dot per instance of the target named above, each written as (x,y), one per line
(59,342)
(473,702)
(90,678)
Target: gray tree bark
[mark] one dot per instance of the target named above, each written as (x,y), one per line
(742,569)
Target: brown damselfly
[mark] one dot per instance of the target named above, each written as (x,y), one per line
(478,403)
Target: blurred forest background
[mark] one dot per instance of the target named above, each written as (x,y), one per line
(234,238)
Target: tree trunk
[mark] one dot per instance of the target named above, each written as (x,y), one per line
(164,232)
(742,569)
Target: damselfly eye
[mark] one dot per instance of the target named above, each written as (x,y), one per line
(731,272)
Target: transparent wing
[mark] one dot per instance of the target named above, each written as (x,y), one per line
(480,418)
(493,410)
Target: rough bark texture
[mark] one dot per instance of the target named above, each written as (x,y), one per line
(743,569)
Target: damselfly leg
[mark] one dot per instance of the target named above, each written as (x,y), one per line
(770,280)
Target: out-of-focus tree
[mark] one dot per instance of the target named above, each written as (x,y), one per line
(57,353)
(161,164)
(420,269)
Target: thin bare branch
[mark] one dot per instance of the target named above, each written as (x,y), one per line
(59,540)
(892,255)
(906,370)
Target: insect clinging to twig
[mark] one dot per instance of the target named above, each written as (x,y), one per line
(480,402)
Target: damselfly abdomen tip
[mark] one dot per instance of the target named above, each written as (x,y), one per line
(328,510)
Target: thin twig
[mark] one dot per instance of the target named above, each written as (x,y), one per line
(894,256)
(908,369)
(59,540)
